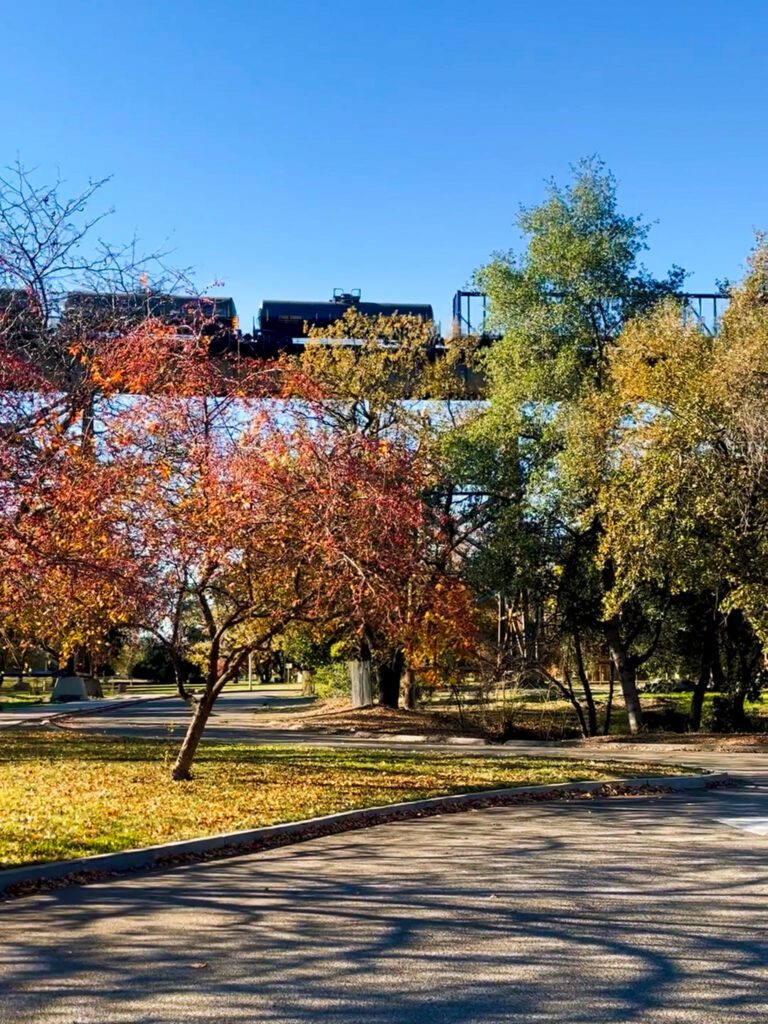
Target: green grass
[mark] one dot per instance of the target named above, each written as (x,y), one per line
(10,700)
(66,795)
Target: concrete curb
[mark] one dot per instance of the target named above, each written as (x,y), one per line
(406,737)
(432,738)
(168,854)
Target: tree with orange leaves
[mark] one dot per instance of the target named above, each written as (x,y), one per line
(74,338)
(144,484)
(250,527)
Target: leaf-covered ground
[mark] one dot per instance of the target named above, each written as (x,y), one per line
(67,795)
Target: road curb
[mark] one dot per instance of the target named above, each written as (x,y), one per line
(416,737)
(24,880)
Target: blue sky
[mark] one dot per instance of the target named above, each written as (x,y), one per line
(291,146)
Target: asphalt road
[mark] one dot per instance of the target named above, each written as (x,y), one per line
(233,720)
(627,910)
(643,910)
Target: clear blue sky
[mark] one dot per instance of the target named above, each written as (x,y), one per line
(290,146)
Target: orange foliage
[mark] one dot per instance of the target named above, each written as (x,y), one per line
(443,634)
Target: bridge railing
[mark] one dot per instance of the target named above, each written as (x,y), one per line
(471,311)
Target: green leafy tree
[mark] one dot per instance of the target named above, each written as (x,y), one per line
(562,306)
(684,507)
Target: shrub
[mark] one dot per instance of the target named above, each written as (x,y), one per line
(157,666)
(332,680)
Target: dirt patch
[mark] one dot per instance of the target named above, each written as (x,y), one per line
(745,742)
(336,716)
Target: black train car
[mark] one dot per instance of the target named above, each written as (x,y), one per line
(20,319)
(280,321)
(110,312)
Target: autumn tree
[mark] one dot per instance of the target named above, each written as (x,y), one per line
(261,527)
(684,500)
(77,331)
(386,379)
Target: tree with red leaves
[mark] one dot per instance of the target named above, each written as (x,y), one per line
(249,528)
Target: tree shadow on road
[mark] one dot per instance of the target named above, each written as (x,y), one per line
(624,911)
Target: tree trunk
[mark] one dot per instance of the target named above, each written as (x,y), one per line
(708,657)
(609,702)
(591,723)
(738,715)
(697,697)
(627,675)
(718,675)
(389,672)
(182,769)
(529,631)
(408,689)
(360,678)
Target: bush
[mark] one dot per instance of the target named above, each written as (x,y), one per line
(332,680)
(723,715)
(665,719)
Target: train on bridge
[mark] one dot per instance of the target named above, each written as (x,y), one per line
(283,325)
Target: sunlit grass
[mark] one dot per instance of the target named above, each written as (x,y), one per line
(66,795)
(9,700)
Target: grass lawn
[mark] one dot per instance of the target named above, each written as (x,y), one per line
(9,700)
(68,795)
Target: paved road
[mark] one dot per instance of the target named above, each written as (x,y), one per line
(234,720)
(22,714)
(233,717)
(147,715)
(650,911)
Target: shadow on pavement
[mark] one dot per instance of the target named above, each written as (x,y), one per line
(637,910)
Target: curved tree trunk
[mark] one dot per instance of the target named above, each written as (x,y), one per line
(182,769)
(697,698)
